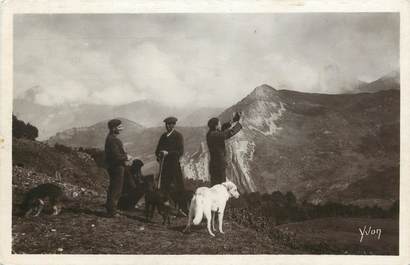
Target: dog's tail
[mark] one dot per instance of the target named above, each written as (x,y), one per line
(199,205)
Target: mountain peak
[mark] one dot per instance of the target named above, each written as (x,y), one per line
(263,89)
(262,92)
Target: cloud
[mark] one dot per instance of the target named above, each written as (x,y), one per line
(201,59)
(67,71)
(152,72)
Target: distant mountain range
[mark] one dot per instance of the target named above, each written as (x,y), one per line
(53,119)
(138,141)
(389,81)
(322,147)
(331,78)
(94,136)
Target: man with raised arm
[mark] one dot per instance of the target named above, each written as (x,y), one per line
(215,139)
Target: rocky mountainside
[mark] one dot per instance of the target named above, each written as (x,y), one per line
(321,147)
(35,163)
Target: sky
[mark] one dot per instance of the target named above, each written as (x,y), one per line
(211,60)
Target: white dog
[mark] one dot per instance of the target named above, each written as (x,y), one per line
(208,202)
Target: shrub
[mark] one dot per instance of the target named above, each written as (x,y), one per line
(264,210)
(63,148)
(23,130)
(97,154)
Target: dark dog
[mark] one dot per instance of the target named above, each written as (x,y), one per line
(136,185)
(182,200)
(133,188)
(155,199)
(36,198)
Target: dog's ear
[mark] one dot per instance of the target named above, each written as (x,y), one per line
(229,185)
(136,165)
(232,187)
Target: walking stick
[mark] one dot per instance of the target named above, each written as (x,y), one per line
(160,171)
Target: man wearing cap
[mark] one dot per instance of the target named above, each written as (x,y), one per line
(215,139)
(168,152)
(115,158)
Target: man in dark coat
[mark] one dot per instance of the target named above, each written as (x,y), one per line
(168,152)
(215,139)
(115,158)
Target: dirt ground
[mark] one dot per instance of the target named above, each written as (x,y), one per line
(85,230)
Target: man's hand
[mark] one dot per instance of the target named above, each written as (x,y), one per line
(130,158)
(161,155)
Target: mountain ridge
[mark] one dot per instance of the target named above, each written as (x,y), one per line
(315,145)
(53,119)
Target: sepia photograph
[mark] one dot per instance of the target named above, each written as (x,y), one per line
(206,133)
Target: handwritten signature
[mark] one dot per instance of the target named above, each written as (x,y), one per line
(370,232)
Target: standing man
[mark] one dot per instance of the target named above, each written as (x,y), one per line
(169,150)
(215,139)
(115,158)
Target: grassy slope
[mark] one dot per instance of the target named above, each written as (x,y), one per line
(74,167)
(341,236)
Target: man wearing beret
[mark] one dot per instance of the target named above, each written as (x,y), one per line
(168,152)
(215,139)
(115,158)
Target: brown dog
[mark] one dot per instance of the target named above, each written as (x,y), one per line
(37,198)
(155,199)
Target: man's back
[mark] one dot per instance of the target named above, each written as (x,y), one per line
(216,142)
(216,139)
